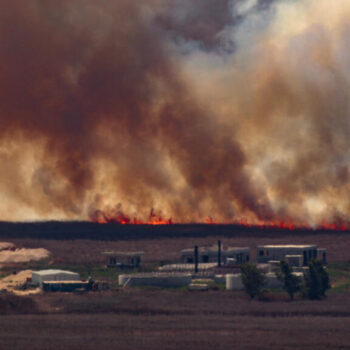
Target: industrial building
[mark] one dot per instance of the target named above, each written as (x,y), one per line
(39,277)
(123,259)
(231,255)
(296,255)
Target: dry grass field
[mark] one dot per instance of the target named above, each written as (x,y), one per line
(175,319)
(84,242)
(80,251)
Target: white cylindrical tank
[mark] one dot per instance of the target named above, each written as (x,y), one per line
(234,282)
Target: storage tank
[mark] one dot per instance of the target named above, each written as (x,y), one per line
(234,282)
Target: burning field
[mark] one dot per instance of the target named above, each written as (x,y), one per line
(175,111)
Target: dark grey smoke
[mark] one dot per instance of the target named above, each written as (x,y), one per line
(141,105)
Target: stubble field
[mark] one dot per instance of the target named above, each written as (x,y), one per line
(170,319)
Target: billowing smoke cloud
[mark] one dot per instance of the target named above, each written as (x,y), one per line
(235,110)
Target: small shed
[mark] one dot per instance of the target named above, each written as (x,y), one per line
(123,259)
(38,277)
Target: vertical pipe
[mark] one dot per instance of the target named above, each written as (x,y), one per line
(195,259)
(219,253)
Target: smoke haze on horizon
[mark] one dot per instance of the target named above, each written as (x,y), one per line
(235,110)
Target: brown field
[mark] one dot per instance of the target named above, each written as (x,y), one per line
(174,319)
(80,251)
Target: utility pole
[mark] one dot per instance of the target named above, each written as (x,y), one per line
(219,253)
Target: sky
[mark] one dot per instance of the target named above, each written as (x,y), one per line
(232,110)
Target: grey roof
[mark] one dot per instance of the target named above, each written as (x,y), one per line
(123,253)
(293,256)
(287,246)
(215,249)
(53,272)
(187,267)
(237,249)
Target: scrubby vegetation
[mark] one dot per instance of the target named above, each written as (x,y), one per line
(253,280)
(13,304)
(316,281)
(291,283)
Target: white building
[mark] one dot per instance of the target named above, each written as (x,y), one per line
(236,255)
(295,254)
(38,277)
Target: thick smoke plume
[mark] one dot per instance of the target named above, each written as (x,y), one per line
(158,109)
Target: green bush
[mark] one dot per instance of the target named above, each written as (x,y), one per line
(316,281)
(253,280)
(291,283)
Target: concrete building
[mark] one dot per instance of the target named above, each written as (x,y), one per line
(231,255)
(123,259)
(296,255)
(38,277)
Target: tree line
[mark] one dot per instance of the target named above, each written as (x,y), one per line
(313,286)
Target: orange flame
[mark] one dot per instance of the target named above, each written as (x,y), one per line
(156,219)
(119,217)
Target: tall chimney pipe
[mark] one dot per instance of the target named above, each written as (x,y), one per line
(195,259)
(219,253)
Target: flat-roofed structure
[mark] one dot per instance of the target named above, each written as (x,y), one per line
(123,259)
(307,252)
(38,277)
(237,255)
(187,267)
